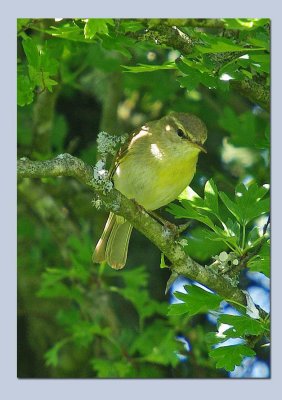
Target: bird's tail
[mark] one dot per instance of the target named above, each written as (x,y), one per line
(113,244)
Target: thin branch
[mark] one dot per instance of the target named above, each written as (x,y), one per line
(254,91)
(163,238)
(165,35)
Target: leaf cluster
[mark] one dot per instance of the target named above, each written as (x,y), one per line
(197,300)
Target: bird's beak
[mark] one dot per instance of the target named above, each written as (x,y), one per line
(199,146)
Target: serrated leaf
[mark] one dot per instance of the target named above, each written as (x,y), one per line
(248,203)
(187,211)
(198,300)
(212,338)
(95,26)
(48,82)
(194,76)
(209,80)
(241,325)
(249,200)
(228,357)
(52,356)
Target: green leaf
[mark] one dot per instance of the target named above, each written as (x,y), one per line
(221,236)
(250,203)
(177,309)
(245,23)
(131,26)
(213,44)
(48,82)
(232,207)
(261,261)
(190,195)
(245,129)
(241,325)
(156,344)
(68,30)
(187,211)
(198,300)
(203,244)
(31,52)
(211,197)
(121,44)
(228,357)
(233,229)
(193,76)
(111,369)
(261,62)
(260,39)
(25,93)
(212,338)
(84,332)
(53,287)
(95,26)
(52,356)
(22,23)
(148,68)
(189,82)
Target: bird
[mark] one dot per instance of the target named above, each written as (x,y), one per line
(155,165)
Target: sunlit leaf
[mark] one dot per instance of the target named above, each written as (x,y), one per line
(197,300)
(228,357)
(95,26)
(241,325)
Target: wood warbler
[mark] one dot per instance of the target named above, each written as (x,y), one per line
(153,167)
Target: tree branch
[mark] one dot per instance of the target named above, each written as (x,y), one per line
(171,36)
(254,91)
(163,238)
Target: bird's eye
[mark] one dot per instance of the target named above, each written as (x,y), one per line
(180,133)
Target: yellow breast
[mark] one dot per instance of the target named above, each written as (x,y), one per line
(154,175)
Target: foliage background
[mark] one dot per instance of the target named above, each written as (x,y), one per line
(79,77)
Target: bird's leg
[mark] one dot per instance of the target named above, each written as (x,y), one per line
(177,230)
